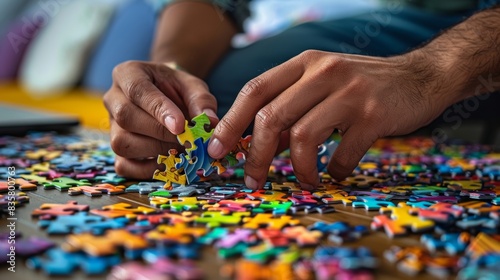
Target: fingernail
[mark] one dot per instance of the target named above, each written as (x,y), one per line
(211,113)
(215,148)
(170,123)
(251,183)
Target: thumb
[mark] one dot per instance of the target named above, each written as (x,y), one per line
(197,97)
(355,143)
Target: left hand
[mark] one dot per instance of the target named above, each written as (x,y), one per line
(314,93)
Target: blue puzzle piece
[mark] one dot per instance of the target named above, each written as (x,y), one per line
(64,158)
(348,258)
(110,178)
(140,227)
(371,203)
(86,166)
(325,152)
(145,187)
(453,243)
(340,232)
(59,262)
(81,222)
(178,250)
(214,235)
(420,204)
(198,159)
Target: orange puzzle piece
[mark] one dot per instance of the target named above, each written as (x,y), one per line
(104,245)
(122,210)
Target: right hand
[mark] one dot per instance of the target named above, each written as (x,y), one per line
(148,104)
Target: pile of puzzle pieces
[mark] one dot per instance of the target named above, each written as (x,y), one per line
(446,195)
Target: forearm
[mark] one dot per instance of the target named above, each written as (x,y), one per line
(194,35)
(466,58)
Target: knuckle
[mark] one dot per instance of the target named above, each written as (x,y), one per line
(225,125)
(121,167)
(255,163)
(156,109)
(119,143)
(308,54)
(121,114)
(300,134)
(267,118)
(135,90)
(331,65)
(253,88)
(121,68)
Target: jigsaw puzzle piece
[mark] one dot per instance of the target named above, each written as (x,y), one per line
(110,178)
(51,210)
(340,232)
(171,250)
(177,204)
(122,210)
(265,195)
(192,133)
(172,174)
(453,243)
(59,262)
(197,161)
(144,187)
(179,233)
(400,219)
(24,247)
(335,196)
(64,183)
(276,207)
(217,219)
(168,218)
(162,268)
(370,203)
(97,190)
(107,244)
(81,222)
(268,221)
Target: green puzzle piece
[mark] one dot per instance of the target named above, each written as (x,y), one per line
(277,207)
(35,178)
(192,133)
(161,193)
(64,183)
(217,219)
(214,235)
(236,250)
(263,252)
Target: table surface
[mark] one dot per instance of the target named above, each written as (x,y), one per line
(377,241)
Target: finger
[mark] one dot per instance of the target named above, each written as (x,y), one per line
(355,143)
(252,97)
(197,97)
(132,145)
(136,169)
(307,133)
(271,121)
(284,142)
(134,119)
(138,87)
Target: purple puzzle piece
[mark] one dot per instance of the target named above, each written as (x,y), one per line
(24,247)
(239,235)
(162,268)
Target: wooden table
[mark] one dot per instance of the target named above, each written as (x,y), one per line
(377,241)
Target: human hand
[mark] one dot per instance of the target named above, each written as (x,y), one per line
(314,93)
(148,104)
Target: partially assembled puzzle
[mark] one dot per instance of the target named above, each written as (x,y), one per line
(445,197)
